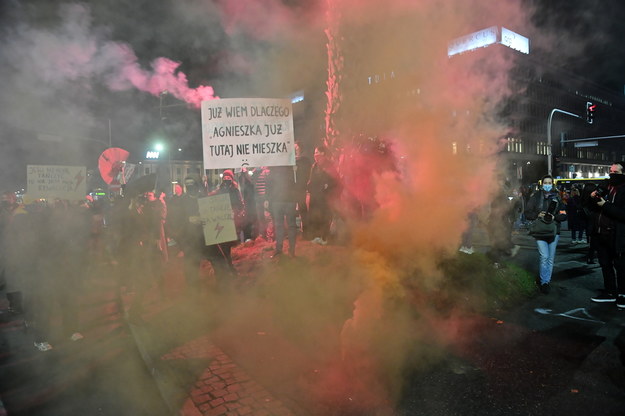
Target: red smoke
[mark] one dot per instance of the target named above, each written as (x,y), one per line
(164,77)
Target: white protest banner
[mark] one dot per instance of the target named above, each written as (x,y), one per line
(216,215)
(63,182)
(247,132)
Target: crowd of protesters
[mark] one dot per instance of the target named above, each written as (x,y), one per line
(595,216)
(44,257)
(48,247)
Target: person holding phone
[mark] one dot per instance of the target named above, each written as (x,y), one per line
(545,204)
(610,201)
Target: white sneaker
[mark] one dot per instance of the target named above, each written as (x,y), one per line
(583,241)
(574,241)
(76,336)
(43,346)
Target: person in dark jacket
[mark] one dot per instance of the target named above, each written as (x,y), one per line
(503,213)
(322,189)
(14,240)
(611,247)
(231,187)
(249,227)
(591,214)
(576,218)
(144,238)
(303,165)
(185,226)
(537,209)
(282,198)
(264,227)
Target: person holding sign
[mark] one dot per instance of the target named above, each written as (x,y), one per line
(229,186)
(185,226)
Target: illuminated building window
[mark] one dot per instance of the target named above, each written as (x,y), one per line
(515,145)
(541,148)
(454,148)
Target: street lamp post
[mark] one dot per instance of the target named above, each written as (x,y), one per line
(160,148)
(549,152)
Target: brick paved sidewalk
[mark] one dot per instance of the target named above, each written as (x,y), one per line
(194,375)
(223,387)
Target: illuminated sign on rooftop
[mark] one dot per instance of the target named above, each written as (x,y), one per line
(489,36)
(515,41)
(479,39)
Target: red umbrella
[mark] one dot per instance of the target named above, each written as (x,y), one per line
(111,162)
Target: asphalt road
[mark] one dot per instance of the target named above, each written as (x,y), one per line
(556,354)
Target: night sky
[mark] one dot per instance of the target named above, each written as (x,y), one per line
(588,38)
(58,60)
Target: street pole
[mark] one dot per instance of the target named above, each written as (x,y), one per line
(110,135)
(549,152)
(169,144)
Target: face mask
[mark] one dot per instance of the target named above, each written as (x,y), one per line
(547,188)
(616,179)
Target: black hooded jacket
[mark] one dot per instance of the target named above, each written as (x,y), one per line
(614,208)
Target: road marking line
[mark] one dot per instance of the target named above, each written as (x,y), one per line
(570,314)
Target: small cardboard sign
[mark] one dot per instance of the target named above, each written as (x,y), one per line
(217,219)
(62,182)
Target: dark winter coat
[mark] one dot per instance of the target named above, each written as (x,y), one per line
(187,235)
(281,185)
(614,208)
(539,201)
(236,201)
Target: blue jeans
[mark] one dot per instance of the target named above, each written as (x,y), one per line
(547,252)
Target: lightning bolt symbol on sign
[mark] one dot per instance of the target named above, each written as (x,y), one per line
(79,179)
(218,228)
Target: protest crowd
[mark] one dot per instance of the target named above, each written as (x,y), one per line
(50,245)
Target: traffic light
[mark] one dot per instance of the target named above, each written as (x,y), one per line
(590,112)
